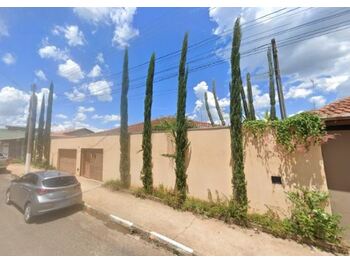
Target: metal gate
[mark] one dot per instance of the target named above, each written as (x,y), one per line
(92,163)
(67,160)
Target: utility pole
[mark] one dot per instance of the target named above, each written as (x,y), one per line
(278,80)
(30,133)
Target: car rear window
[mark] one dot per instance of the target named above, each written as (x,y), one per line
(60,181)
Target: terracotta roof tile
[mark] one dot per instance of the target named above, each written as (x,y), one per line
(337,109)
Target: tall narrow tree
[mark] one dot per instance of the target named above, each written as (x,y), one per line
(181,140)
(208,109)
(146,173)
(238,177)
(250,98)
(40,135)
(124,165)
(47,131)
(244,101)
(217,106)
(271,86)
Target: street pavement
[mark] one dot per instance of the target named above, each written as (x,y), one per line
(66,232)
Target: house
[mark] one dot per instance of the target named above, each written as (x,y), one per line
(336,156)
(12,141)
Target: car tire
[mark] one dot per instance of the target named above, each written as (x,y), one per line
(28,215)
(7,198)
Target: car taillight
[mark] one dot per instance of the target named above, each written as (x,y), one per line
(41,191)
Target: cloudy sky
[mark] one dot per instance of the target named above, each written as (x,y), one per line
(81,49)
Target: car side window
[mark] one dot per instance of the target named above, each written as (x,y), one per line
(30,178)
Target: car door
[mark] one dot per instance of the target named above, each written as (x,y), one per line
(26,188)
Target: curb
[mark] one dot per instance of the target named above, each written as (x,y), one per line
(114,221)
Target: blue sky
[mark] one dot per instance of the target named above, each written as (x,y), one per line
(81,50)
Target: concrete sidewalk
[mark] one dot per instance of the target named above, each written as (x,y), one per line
(204,236)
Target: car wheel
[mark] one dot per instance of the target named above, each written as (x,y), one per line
(28,216)
(7,197)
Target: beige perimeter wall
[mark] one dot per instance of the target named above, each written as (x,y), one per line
(209,165)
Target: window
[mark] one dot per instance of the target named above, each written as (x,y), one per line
(29,179)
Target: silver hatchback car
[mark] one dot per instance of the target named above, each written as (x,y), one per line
(41,192)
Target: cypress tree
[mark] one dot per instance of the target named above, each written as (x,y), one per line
(181,140)
(250,98)
(208,109)
(40,135)
(47,131)
(124,165)
(218,109)
(271,86)
(238,177)
(244,101)
(146,173)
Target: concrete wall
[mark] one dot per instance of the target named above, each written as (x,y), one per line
(209,165)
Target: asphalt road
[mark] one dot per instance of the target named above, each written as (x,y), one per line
(67,232)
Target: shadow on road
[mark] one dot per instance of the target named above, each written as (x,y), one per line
(55,215)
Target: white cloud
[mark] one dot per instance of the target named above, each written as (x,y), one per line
(323,59)
(100,59)
(298,93)
(107,118)
(40,74)
(8,59)
(3,29)
(120,17)
(75,95)
(101,89)
(94,15)
(77,122)
(71,71)
(13,106)
(200,112)
(95,72)
(74,36)
(86,109)
(61,116)
(53,52)
(318,101)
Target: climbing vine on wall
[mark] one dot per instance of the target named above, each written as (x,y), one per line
(304,129)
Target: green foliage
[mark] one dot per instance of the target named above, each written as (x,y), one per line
(40,135)
(208,109)
(218,109)
(304,129)
(113,185)
(271,87)
(124,165)
(270,223)
(309,220)
(169,125)
(181,140)
(238,177)
(146,173)
(47,131)
(250,98)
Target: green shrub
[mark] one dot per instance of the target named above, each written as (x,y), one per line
(43,165)
(309,220)
(271,223)
(114,185)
